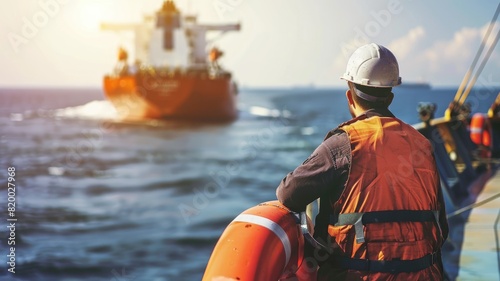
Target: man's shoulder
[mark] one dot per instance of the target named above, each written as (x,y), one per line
(410,128)
(334,133)
(415,135)
(336,139)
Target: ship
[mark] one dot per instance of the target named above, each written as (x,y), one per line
(174,74)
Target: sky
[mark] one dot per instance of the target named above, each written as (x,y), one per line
(282,43)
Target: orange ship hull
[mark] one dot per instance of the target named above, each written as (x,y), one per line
(194,96)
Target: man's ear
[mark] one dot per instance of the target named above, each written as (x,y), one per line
(350,100)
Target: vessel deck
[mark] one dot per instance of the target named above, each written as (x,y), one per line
(473,254)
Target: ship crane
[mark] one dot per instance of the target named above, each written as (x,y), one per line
(173,27)
(197,40)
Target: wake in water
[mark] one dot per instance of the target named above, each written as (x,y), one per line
(97,109)
(93,110)
(104,110)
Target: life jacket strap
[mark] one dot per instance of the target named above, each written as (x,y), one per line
(391,266)
(361,219)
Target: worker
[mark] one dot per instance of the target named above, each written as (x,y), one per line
(122,54)
(381,210)
(121,67)
(214,56)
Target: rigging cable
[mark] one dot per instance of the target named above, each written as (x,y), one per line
(472,206)
(480,69)
(460,96)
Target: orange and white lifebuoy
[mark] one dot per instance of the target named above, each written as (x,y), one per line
(480,133)
(263,243)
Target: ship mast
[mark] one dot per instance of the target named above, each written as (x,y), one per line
(169,21)
(169,18)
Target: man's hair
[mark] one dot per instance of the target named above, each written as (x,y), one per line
(371,91)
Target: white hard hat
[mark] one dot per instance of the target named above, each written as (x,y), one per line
(373,65)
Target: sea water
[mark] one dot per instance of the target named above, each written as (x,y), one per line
(98,198)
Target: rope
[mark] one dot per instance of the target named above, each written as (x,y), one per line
(459,96)
(472,206)
(481,67)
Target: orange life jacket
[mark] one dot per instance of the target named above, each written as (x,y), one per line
(385,223)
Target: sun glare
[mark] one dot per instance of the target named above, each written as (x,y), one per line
(90,15)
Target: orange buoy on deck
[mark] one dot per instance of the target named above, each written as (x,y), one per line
(263,243)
